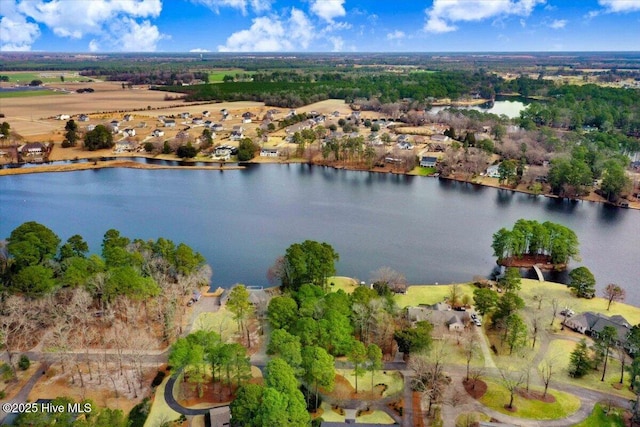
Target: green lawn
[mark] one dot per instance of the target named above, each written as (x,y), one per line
(551,290)
(599,418)
(393,380)
(421,171)
(45,77)
(429,294)
(220,321)
(469,418)
(329,415)
(497,397)
(347,284)
(29,93)
(559,351)
(217,76)
(456,354)
(376,417)
(160,412)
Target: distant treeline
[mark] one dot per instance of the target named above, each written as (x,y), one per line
(166,77)
(296,89)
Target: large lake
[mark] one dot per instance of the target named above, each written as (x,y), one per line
(432,230)
(508,106)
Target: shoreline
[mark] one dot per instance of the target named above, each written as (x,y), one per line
(132,164)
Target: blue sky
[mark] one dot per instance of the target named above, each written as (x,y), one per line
(319,25)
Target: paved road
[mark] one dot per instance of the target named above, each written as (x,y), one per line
(22,395)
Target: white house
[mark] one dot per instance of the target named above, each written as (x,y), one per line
(124,146)
(169,123)
(269,152)
(158,133)
(428,161)
(492,171)
(129,132)
(63,117)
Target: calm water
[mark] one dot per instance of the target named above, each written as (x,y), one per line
(431,230)
(507,106)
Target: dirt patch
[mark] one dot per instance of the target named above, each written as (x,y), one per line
(418,416)
(475,389)
(536,395)
(511,409)
(211,394)
(106,386)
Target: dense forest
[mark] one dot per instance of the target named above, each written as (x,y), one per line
(132,282)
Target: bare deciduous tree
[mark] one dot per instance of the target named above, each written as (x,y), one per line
(547,369)
(511,380)
(613,293)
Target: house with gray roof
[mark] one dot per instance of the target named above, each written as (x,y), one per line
(590,323)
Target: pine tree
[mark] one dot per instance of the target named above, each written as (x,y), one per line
(580,362)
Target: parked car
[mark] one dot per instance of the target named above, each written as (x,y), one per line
(567,312)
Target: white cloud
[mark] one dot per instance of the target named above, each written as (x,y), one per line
(328,9)
(17,34)
(523,23)
(272,34)
(138,37)
(443,15)
(337,42)
(558,24)
(114,23)
(242,5)
(396,35)
(94,46)
(620,5)
(199,50)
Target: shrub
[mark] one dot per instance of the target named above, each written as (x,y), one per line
(157,380)
(6,373)
(139,413)
(24,363)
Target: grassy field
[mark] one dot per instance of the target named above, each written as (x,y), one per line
(217,76)
(160,412)
(220,321)
(421,171)
(329,415)
(468,418)
(392,379)
(29,93)
(599,418)
(551,290)
(456,356)
(45,77)
(347,284)
(429,294)
(559,351)
(497,397)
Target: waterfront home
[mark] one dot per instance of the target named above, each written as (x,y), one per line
(125,146)
(222,153)
(492,171)
(269,152)
(428,161)
(33,149)
(592,324)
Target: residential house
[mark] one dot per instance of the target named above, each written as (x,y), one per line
(222,153)
(129,132)
(169,123)
(246,117)
(83,118)
(125,146)
(90,128)
(224,112)
(493,171)
(428,161)
(269,152)
(33,149)
(185,115)
(217,127)
(206,113)
(237,133)
(336,113)
(439,315)
(197,120)
(590,323)
(63,117)
(128,117)
(291,113)
(114,123)
(157,133)
(439,138)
